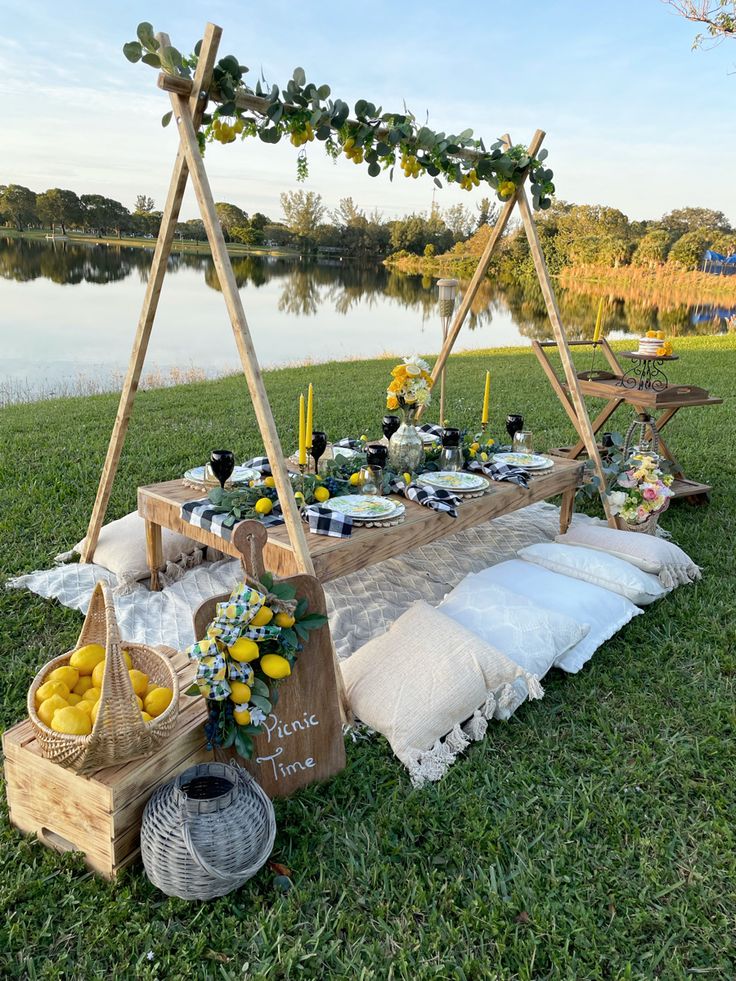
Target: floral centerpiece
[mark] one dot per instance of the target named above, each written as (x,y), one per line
(645,493)
(410,389)
(249,648)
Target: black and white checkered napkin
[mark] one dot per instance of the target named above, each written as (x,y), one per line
(500,471)
(430,429)
(349,443)
(202,514)
(323,521)
(259,463)
(436,498)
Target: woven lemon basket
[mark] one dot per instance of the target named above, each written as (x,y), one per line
(207,832)
(119,733)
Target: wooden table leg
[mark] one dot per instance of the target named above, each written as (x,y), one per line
(154,552)
(567,509)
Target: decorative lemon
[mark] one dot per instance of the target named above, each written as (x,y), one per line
(139,680)
(269,482)
(66,675)
(244,649)
(484,457)
(354,479)
(86,706)
(263,617)
(83,685)
(241,715)
(48,706)
(275,666)
(49,688)
(73,698)
(146,717)
(97,673)
(239,692)
(407,478)
(71,721)
(86,658)
(283,620)
(92,695)
(128,660)
(264,505)
(158,701)
(321,494)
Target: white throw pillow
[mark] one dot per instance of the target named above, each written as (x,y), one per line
(121,548)
(419,682)
(604,611)
(598,568)
(531,635)
(664,559)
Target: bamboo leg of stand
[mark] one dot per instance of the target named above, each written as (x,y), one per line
(169,218)
(583,419)
(244,342)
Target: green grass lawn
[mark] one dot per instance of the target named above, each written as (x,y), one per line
(592,836)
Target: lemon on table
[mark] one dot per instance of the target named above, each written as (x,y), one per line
(158,701)
(239,692)
(83,685)
(92,695)
(72,721)
(275,666)
(139,681)
(84,659)
(66,675)
(263,617)
(407,478)
(283,620)
(354,479)
(321,494)
(264,505)
(48,706)
(244,649)
(97,673)
(49,688)
(269,482)
(241,715)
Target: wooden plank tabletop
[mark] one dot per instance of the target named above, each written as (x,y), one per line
(333,557)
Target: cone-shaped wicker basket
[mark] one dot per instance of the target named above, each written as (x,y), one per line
(119,733)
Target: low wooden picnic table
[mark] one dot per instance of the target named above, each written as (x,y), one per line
(160,506)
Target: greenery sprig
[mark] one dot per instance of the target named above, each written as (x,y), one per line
(305,112)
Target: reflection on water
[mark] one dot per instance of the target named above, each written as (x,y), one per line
(297,310)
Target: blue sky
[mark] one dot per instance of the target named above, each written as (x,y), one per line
(635,119)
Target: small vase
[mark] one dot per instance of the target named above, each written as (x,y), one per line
(405,448)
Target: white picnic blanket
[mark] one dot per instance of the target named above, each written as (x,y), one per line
(360,605)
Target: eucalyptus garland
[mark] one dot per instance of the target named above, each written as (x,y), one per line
(305,113)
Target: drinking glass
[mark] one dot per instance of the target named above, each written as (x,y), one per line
(222,464)
(390,424)
(514,423)
(371,480)
(319,445)
(451,456)
(523,441)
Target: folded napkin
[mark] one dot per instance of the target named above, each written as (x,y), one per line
(436,498)
(323,521)
(430,429)
(259,463)
(349,443)
(500,471)
(203,514)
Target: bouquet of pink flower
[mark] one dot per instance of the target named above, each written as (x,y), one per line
(647,490)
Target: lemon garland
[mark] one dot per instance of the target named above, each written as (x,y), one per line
(305,112)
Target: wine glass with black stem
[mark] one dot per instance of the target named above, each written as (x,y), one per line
(390,424)
(514,423)
(222,464)
(319,445)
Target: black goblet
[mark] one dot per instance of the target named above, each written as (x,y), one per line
(319,445)
(389,425)
(376,455)
(222,464)
(514,423)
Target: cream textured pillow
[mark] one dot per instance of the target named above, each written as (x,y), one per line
(664,559)
(421,680)
(121,548)
(598,568)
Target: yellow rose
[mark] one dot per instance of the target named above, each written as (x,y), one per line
(392,402)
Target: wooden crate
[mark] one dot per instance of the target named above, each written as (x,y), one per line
(99,815)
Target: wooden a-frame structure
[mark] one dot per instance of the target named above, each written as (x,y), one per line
(188,102)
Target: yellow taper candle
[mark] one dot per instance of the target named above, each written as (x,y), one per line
(598,322)
(302,433)
(310,416)
(486,398)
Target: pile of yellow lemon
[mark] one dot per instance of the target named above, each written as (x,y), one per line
(226,132)
(410,165)
(301,136)
(69,698)
(353,152)
(470,180)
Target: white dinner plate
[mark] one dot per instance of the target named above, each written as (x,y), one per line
(240,475)
(529,461)
(429,438)
(454,480)
(365,506)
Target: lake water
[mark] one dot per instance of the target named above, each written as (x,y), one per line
(68,315)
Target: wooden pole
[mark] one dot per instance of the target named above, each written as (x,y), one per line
(583,426)
(246,350)
(202,80)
